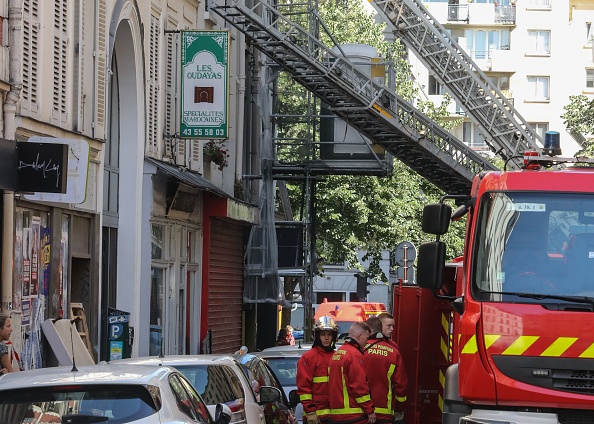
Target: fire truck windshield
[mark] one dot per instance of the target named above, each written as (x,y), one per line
(533,243)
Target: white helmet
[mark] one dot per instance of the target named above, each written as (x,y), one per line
(325,323)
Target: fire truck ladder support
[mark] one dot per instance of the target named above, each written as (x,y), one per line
(507,133)
(374,110)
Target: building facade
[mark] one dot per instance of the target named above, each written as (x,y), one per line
(160,231)
(537,52)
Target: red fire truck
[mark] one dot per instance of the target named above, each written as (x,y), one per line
(506,333)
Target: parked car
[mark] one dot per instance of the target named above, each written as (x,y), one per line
(283,363)
(223,379)
(103,393)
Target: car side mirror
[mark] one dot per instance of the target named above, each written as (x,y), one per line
(223,414)
(293,398)
(269,394)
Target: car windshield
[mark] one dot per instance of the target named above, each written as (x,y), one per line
(114,404)
(532,243)
(215,383)
(285,370)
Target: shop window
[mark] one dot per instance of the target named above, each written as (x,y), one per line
(156,311)
(157,240)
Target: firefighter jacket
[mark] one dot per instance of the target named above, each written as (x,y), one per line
(350,401)
(386,377)
(312,381)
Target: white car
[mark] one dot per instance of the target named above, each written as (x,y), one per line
(253,399)
(103,393)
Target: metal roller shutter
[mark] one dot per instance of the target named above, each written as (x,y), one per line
(225,291)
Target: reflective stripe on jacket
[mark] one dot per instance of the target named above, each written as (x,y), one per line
(312,381)
(349,394)
(386,378)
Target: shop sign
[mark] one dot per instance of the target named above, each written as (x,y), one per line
(42,167)
(204,84)
(76,174)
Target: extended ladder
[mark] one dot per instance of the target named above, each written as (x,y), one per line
(504,129)
(375,111)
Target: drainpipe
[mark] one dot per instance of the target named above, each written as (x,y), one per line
(239,167)
(15,46)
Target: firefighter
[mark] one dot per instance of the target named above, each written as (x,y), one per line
(350,401)
(386,374)
(312,372)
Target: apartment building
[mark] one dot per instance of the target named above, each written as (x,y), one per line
(160,229)
(537,52)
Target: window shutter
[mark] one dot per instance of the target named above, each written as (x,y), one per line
(99,118)
(60,46)
(153,136)
(29,101)
(195,156)
(180,151)
(170,88)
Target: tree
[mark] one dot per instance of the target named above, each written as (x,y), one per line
(355,213)
(579,118)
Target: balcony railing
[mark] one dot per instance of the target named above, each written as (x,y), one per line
(458,13)
(505,15)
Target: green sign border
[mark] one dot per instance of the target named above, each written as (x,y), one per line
(192,43)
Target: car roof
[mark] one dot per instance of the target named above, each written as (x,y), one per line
(172,360)
(102,373)
(296,349)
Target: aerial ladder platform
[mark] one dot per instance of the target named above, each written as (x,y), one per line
(374,110)
(505,131)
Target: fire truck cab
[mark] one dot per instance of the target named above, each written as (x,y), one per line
(521,328)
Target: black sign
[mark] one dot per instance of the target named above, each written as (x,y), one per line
(8,158)
(41,167)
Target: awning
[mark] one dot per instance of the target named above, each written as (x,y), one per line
(229,207)
(190,178)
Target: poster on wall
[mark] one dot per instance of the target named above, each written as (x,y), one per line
(204,84)
(45,260)
(35,232)
(25,296)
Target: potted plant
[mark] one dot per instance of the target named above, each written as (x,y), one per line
(216,152)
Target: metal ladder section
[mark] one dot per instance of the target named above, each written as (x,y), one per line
(374,110)
(507,133)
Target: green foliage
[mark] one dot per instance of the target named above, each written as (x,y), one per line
(375,214)
(579,117)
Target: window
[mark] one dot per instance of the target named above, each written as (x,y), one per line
(479,43)
(533,242)
(538,87)
(434,86)
(539,41)
(540,128)
(589,78)
(539,3)
(500,81)
(589,33)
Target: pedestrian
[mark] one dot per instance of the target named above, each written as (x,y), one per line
(9,359)
(312,372)
(386,374)
(290,337)
(281,340)
(350,401)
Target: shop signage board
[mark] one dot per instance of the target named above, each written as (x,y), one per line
(76,172)
(204,85)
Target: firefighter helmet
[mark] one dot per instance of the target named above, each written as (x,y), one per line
(325,323)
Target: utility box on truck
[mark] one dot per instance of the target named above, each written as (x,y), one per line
(423,331)
(346,313)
